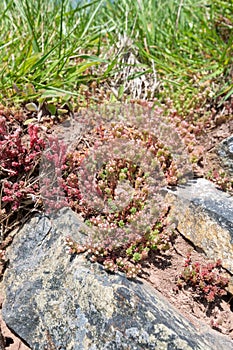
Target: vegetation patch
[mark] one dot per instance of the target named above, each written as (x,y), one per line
(62,58)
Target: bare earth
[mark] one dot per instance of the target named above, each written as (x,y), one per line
(161,273)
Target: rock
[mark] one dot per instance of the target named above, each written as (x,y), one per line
(57,301)
(225,152)
(11,342)
(204,215)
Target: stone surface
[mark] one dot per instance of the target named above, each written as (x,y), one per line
(204,215)
(57,301)
(12,342)
(225,152)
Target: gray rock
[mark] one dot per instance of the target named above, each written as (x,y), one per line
(204,215)
(57,301)
(225,152)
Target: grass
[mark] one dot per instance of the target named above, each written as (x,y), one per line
(51,48)
(50,38)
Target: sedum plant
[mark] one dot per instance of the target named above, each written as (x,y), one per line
(19,170)
(206,281)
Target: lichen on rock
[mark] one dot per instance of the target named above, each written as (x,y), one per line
(52,297)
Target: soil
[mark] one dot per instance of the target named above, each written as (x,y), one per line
(161,270)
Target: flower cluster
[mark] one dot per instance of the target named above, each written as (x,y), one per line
(221,179)
(113,178)
(52,184)
(127,257)
(207,280)
(19,166)
(193,119)
(15,156)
